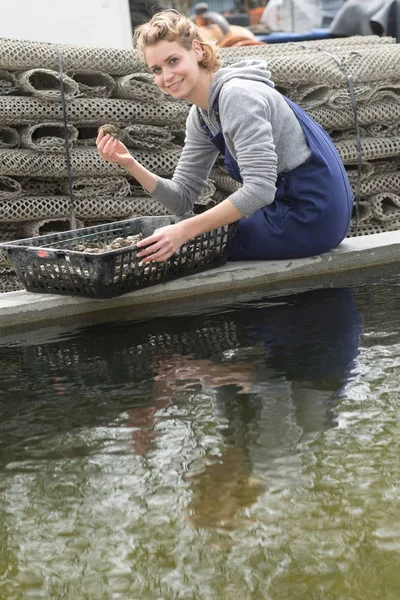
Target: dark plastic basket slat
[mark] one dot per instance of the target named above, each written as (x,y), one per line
(48,264)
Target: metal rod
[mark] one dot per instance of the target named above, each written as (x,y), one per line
(292,16)
(72,215)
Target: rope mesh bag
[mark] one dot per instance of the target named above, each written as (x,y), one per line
(48,137)
(9,137)
(84,162)
(58,207)
(96,187)
(32,186)
(45,84)
(21,55)
(366,64)
(371,149)
(44,226)
(368,114)
(313,96)
(147,137)
(8,83)
(91,111)
(94,84)
(9,188)
(138,86)
(374,184)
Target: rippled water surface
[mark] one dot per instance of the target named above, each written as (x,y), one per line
(251,453)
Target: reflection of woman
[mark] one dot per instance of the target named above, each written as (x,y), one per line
(270,404)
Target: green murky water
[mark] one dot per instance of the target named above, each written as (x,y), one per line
(252,453)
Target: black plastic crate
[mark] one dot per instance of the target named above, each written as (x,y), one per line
(47,264)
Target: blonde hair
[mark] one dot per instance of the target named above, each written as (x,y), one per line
(172,26)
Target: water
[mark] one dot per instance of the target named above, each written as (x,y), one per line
(252,452)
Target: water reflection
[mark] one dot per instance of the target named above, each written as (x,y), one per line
(274,388)
(124,444)
(271,371)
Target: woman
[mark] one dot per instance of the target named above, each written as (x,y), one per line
(295,200)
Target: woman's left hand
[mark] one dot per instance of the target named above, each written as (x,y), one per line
(162,244)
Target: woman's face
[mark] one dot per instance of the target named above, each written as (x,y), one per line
(176,70)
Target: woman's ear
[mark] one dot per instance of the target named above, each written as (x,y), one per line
(198,50)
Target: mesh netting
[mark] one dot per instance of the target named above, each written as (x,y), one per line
(329,44)
(147,137)
(385,166)
(390,182)
(58,207)
(9,282)
(8,232)
(9,137)
(364,64)
(317,95)
(8,83)
(365,93)
(140,87)
(87,136)
(20,55)
(385,207)
(9,188)
(367,131)
(96,187)
(382,130)
(94,84)
(44,226)
(364,212)
(373,226)
(368,114)
(371,148)
(220,195)
(41,187)
(45,84)
(352,172)
(91,111)
(48,137)
(223,181)
(145,205)
(373,168)
(84,162)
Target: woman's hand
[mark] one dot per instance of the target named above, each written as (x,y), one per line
(162,243)
(112,150)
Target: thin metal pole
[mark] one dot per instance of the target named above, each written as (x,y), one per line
(292,15)
(72,216)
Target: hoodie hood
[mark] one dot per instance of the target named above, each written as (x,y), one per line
(253,69)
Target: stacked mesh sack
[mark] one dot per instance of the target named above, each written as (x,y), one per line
(114,86)
(100,86)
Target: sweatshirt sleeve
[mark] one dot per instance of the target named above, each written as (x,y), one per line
(246,122)
(196,161)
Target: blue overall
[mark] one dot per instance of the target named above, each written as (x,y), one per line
(313,203)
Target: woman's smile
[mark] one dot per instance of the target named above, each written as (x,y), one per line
(176,85)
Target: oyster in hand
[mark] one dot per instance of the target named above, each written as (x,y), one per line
(112,130)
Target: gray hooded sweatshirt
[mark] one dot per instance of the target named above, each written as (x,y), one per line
(260,129)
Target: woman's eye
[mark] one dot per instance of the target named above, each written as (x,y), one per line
(173,61)
(156,71)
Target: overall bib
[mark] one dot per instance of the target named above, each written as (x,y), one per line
(313,203)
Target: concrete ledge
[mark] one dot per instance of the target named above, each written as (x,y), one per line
(20,308)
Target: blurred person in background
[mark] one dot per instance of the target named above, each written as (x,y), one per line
(294,16)
(328,10)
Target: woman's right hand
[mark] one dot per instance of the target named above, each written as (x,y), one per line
(113,150)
